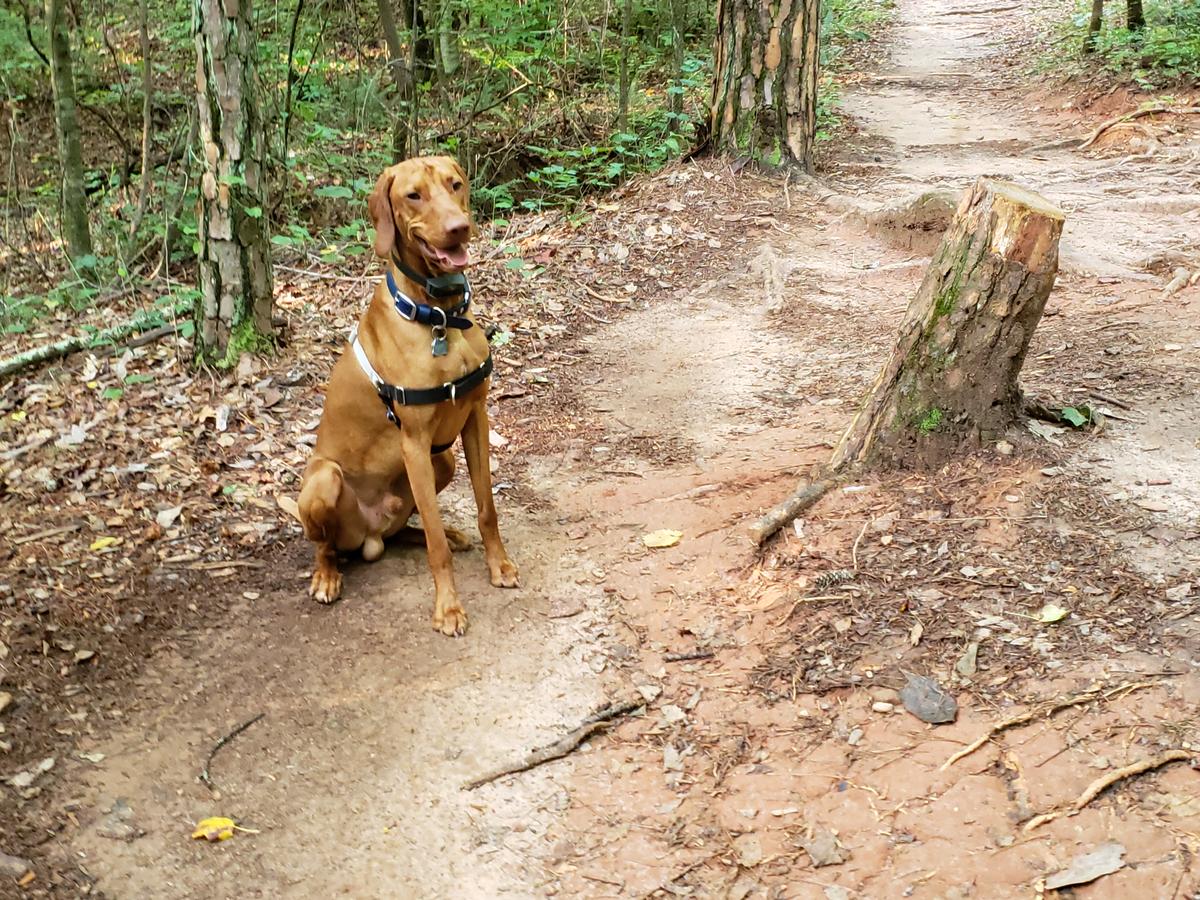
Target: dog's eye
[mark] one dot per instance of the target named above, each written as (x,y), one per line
(457,185)
(414,195)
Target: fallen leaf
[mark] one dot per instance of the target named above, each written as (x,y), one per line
(1104,860)
(664,537)
(822,847)
(101,543)
(166,517)
(967,663)
(214,828)
(915,633)
(1051,613)
(748,850)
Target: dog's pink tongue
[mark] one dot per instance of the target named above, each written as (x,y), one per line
(454,256)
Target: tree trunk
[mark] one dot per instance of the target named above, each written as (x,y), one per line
(1094,26)
(676,87)
(952,375)
(147,123)
(765,80)
(623,77)
(234,310)
(1135,18)
(66,121)
(402,80)
(449,55)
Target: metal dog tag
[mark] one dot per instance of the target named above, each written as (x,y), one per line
(440,345)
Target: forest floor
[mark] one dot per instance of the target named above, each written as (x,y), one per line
(679,360)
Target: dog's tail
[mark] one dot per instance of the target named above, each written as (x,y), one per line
(318,501)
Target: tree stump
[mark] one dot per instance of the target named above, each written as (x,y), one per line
(952,375)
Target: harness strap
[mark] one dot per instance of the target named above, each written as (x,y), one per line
(391,394)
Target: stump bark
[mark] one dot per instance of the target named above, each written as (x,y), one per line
(952,375)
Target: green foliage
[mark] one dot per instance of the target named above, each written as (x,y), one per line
(1165,52)
(930,422)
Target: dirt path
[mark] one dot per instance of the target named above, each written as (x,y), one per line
(691,412)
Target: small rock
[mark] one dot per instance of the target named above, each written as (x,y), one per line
(748,850)
(882,706)
(836,892)
(823,848)
(967,663)
(1004,448)
(649,692)
(117,824)
(672,759)
(5,700)
(925,699)
(14,866)
(854,737)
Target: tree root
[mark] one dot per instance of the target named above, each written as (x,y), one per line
(1136,114)
(783,512)
(1038,712)
(1101,784)
(560,748)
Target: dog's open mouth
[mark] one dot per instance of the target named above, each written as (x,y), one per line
(454,258)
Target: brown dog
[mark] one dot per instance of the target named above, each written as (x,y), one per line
(376,462)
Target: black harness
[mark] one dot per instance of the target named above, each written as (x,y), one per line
(438,320)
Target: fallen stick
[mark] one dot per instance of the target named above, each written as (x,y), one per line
(1136,114)
(1039,711)
(1104,782)
(783,512)
(50,352)
(560,748)
(205,777)
(691,654)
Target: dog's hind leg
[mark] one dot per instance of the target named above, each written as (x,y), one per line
(321,499)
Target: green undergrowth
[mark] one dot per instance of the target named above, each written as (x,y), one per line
(1166,53)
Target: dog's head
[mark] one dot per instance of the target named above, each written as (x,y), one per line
(421,208)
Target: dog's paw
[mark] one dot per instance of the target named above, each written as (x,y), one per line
(451,622)
(326,585)
(457,540)
(505,574)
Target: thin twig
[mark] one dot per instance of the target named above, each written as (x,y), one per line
(1104,782)
(692,654)
(786,510)
(857,541)
(561,747)
(205,777)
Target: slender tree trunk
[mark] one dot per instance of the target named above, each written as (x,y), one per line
(66,121)
(765,80)
(677,26)
(402,80)
(952,375)
(1094,26)
(623,87)
(1135,18)
(147,124)
(234,314)
(448,51)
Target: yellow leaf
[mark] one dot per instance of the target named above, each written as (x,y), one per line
(1051,613)
(19,415)
(664,537)
(93,384)
(214,828)
(101,543)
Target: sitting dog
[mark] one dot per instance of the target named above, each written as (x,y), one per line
(415,379)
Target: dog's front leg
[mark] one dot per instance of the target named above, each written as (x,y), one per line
(475,447)
(448,616)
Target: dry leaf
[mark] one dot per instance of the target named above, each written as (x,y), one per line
(664,537)
(100,543)
(214,828)
(1051,613)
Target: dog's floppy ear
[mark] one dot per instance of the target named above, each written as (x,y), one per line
(379,207)
(466,181)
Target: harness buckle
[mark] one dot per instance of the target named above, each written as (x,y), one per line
(453,390)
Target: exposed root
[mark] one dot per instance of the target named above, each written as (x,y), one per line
(1136,114)
(1104,782)
(1096,693)
(783,512)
